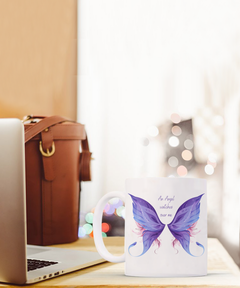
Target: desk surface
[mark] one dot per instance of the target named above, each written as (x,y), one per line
(222,271)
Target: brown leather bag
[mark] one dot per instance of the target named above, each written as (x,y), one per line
(54,168)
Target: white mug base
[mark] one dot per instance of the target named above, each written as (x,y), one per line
(166,275)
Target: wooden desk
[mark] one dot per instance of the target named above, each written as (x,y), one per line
(222,271)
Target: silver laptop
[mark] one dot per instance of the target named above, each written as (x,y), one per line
(21,263)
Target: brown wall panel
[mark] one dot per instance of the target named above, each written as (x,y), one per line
(38,57)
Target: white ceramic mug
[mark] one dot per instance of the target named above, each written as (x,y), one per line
(165,227)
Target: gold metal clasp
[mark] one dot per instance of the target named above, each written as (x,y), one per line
(48,153)
(26,118)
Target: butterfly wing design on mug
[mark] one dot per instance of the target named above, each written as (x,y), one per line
(151,227)
(184,222)
(147,221)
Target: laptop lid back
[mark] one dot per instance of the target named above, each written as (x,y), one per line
(12,202)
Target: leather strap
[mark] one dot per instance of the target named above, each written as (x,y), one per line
(85,161)
(42,125)
(48,162)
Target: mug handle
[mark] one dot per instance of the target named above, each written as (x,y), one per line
(97,227)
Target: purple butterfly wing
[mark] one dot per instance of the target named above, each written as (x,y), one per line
(147,219)
(186,216)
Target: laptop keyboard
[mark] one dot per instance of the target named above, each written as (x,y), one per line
(34,264)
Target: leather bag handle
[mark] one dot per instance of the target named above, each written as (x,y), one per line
(85,161)
(42,125)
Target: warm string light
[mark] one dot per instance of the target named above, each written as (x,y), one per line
(186,154)
(174,141)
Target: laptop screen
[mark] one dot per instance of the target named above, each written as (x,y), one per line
(12,202)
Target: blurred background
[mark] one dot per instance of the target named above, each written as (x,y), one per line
(157,84)
(158,89)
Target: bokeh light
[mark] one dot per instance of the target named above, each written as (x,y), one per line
(88,228)
(113,201)
(89,217)
(209,170)
(114,208)
(106,208)
(176,130)
(116,202)
(175,118)
(153,131)
(109,209)
(121,211)
(188,144)
(182,171)
(187,155)
(173,141)
(105,227)
(173,161)
(81,232)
